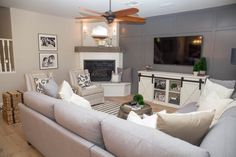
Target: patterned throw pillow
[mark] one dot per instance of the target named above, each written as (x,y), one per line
(83,80)
(39,83)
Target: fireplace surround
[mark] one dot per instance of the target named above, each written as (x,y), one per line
(100,70)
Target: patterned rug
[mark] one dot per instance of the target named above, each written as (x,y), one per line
(109,107)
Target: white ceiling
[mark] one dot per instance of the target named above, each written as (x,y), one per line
(70,8)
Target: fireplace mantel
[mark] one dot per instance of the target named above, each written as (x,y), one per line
(97,49)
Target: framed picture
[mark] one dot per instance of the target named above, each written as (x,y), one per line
(47,42)
(48,61)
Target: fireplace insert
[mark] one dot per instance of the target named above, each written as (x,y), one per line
(100,70)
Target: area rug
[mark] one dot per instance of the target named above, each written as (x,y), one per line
(109,107)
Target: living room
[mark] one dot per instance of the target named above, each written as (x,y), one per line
(131,47)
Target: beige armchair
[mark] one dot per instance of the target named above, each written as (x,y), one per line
(94,94)
(29,78)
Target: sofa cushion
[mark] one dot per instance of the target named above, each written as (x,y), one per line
(222,91)
(80,101)
(65,92)
(190,107)
(190,127)
(213,102)
(230,112)
(221,139)
(96,151)
(126,139)
(51,88)
(227,83)
(83,122)
(41,103)
(91,90)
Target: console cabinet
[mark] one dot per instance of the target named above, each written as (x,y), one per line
(170,89)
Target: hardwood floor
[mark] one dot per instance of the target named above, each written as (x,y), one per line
(13,142)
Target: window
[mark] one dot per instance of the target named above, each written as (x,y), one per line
(6,56)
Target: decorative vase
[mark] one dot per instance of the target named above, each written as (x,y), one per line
(195,73)
(202,73)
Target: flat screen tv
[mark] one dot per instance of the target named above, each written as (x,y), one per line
(181,50)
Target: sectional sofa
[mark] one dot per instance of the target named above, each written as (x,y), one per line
(59,129)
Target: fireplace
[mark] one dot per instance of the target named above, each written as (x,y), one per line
(100,70)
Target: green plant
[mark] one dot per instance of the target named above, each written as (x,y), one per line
(139,99)
(202,64)
(173,85)
(196,66)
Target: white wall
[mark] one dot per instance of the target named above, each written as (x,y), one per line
(87,27)
(25,28)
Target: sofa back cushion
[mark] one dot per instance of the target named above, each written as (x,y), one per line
(125,139)
(41,103)
(221,139)
(83,122)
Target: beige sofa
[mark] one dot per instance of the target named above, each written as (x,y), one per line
(59,129)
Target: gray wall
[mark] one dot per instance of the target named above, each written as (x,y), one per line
(5,20)
(217,25)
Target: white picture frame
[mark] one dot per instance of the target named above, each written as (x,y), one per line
(48,61)
(47,42)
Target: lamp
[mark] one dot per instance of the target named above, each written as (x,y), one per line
(233,56)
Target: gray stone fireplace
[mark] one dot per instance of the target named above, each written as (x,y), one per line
(100,70)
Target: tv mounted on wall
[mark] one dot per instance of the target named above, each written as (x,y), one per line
(181,50)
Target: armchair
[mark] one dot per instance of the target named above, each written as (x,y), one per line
(94,93)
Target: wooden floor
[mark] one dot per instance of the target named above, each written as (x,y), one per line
(13,143)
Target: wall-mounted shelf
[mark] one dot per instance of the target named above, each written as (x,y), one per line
(79,49)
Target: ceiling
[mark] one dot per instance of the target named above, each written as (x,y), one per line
(70,8)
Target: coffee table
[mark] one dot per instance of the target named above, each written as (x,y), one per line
(126,108)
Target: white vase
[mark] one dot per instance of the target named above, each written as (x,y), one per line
(195,73)
(202,72)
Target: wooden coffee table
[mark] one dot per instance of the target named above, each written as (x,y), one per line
(125,109)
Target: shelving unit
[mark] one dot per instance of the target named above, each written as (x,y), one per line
(170,89)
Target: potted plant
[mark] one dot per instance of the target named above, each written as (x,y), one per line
(196,69)
(202,66)
(138,98)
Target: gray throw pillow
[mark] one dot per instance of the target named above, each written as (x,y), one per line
(228,84)
(126,75)
(51,88)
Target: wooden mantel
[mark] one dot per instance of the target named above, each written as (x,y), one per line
(79,49)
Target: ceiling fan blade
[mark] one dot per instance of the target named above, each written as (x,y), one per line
(126,12)
(90,11)
(89,17)
(132,19)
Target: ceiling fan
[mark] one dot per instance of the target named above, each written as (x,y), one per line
(124,15)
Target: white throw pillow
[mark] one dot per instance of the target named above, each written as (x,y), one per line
(116,77)
(148,121)
(210,87)
(190,127)
(65,91)
(214,102)
(80,101)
